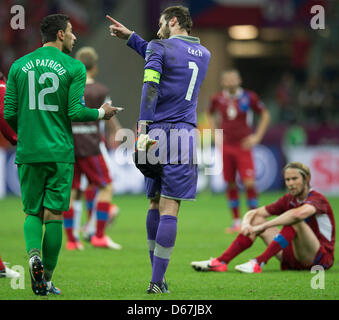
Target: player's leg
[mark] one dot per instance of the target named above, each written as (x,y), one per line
(56,200)
(32,180)
(164,242)
(245,165)
(6,272)
(68,215)
(305,244)
(114,209)
(300,236)
(240,244)
(77,207)
(90,194)
(152,224)
(72,242)
(153,187)
(96,171)
(232,192)
(103,204)
(51,245)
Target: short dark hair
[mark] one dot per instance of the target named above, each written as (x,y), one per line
(182,14)
(50,26)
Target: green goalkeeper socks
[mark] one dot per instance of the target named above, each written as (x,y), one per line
(51,246)
(33,235)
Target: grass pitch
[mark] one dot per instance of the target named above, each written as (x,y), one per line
(103,274)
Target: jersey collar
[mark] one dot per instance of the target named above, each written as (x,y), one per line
(186,38)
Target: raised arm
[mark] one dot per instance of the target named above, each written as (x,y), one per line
(134,41)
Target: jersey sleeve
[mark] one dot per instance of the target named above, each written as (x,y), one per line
(76,103)
(11,100)
(155,56)
(6,130)
(318,202)
(138,44)
(278,207)
(256,104)
(152,77)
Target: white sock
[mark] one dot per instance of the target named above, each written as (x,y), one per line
(77,207)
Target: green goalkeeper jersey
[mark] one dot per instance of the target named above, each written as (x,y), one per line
(45,93)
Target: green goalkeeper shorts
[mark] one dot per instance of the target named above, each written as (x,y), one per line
(46,185)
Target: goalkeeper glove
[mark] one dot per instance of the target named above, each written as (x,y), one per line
(143,141)
(142,145)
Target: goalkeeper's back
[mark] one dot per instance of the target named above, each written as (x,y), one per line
(43,89)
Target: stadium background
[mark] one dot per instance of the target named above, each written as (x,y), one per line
(292,67)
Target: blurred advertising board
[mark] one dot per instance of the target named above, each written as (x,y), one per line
(323,162)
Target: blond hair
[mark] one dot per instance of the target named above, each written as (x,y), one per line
(88,56)
(303,170)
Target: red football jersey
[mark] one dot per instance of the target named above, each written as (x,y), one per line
(6,130)
(322,222)
(235,113)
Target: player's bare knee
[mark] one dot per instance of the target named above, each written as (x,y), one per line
(249,183)
(154,203)
(231,185)
(50,214)
(105,193)
(257,220)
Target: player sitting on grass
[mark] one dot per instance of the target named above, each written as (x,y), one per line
(306,239)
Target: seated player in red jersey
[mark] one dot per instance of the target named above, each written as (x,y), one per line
(306,239)
(90,161)
(234,107)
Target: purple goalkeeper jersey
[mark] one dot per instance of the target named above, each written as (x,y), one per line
(182,63)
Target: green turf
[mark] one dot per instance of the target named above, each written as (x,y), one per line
(109,274)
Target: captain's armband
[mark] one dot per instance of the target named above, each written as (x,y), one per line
(151,76)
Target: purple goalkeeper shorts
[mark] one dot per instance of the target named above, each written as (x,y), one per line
(177,153)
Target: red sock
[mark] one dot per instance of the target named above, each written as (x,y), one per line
(102,217)
(252,198)
(233,199)
(2,266)
(68,223)
(280,241)
(240,244)
(89,195)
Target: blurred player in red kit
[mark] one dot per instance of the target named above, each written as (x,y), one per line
(11,136)
(234,106)
(89,160)
(6,130)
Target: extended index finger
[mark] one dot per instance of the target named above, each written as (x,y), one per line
(111,19)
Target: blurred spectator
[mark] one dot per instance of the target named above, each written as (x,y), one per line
(311,100)
(286,98)
(300,48)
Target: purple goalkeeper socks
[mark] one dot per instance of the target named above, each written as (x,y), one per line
(164,245)
(152,223)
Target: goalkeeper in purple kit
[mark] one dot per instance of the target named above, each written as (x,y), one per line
(44,95)
(175,68)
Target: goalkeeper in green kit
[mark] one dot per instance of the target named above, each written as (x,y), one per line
(44,95)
